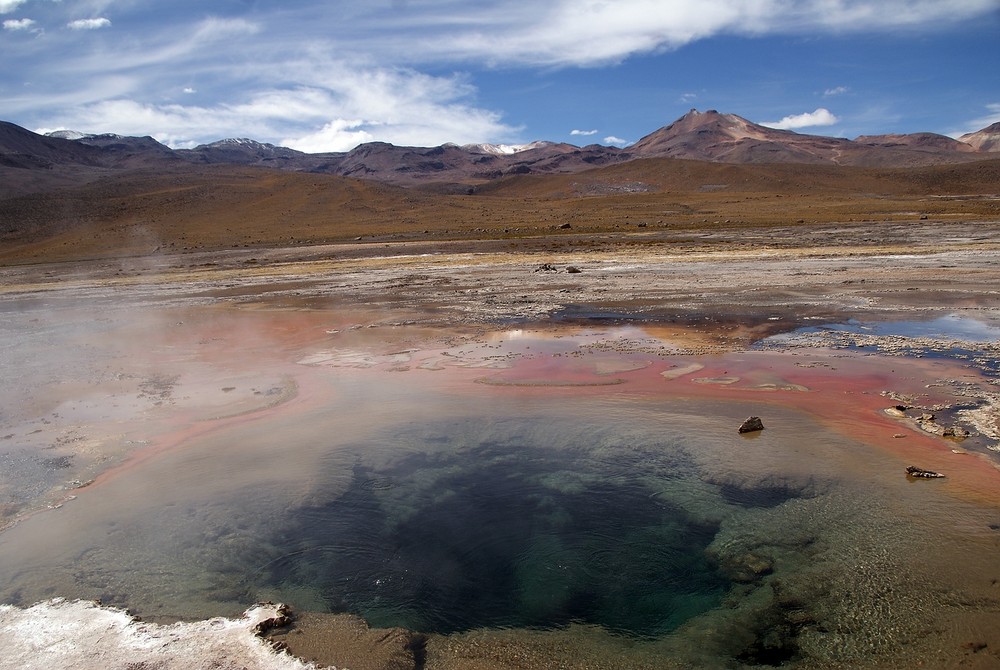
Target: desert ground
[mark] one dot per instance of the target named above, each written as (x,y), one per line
(717,264)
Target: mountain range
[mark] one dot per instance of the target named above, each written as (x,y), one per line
(30,162)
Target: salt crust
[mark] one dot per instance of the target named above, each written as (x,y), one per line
(80,635)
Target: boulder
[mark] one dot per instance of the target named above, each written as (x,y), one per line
(752,424)
(914,471)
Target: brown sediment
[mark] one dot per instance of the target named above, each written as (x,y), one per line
(434,311)
(844,393)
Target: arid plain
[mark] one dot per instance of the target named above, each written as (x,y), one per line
(235,301)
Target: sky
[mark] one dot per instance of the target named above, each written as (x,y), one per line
(327,76)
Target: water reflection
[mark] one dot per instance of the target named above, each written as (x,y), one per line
(948,327)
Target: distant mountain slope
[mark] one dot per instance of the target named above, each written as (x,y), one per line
(727,138)
(242,151)
(987,139)
(31,163)
(22,148)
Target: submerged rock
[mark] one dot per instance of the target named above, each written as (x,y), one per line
(914,471)
(752,424)
(747,568)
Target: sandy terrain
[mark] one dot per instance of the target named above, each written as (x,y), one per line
(712,294)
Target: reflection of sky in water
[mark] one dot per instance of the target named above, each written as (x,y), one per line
(950,327)
(952,337)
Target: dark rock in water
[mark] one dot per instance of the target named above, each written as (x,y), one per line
(747,568)
(914,471)
(283,619)
(751,425)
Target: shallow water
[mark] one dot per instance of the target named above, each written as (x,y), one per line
(948,327)
(452,481)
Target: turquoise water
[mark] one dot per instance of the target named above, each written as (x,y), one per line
(507,532)
(413,496)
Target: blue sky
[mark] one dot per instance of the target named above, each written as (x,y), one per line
(326,76)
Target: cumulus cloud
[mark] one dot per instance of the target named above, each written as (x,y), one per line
(8,6)
(582,132)
(837,90)
(616,141)
(89,24)
(821,117)
(347,105)
(18,24)
(400,106)
(188,89)
(336,135)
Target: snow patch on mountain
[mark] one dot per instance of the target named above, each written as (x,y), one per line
(504,149)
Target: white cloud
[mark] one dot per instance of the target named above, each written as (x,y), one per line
(349,105)
(992,116)
(837,90)
(821,117)
(316,74)
(337,135)
(89,24)
(688,97)
(616,141)
(589,32)
(582,132)
(18,24)
(189,90)
(8,6)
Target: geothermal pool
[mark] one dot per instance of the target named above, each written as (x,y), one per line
(577,489)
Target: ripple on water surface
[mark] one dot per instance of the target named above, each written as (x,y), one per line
(504,534)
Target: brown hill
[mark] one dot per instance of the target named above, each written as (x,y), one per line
(987,139)
(138,213)
(707,136)
(919,141)
(729,138)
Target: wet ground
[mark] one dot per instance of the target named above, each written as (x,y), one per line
(519,468)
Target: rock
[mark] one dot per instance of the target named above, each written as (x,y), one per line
(565,226)
(914,471)
(747,568)
(751,425)
(956,431)
(572,270)
(546,267)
